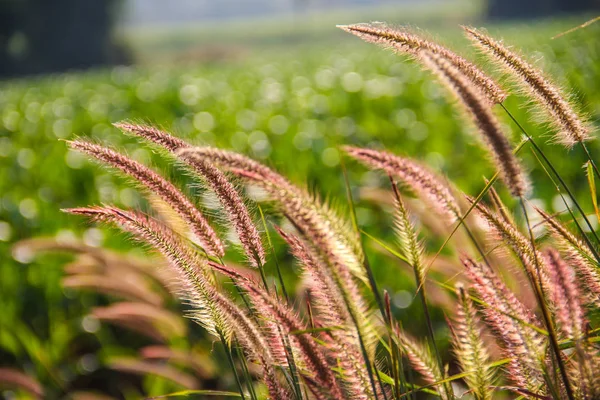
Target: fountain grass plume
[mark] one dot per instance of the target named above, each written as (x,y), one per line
(214,311)
(485,120)
(156,184)
(404,41)
(238,214)
(511,321)
(570,126)
(426,184)
(469,347)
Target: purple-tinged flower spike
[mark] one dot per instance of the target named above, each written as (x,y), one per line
(217,313)
(334,312)
(315,360)
(566,296)
(157,185)
(422,361)
(579,256)
(234,206)
(485,120)
(521,246)
(571,128)
(316,222)
(512,322)
(154,135)
(427,185)
(405,42)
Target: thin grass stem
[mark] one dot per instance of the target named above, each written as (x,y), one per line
(272,249)
(232,364)
(420,284)
(562,182)
(539,292)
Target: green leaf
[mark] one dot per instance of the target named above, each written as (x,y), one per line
(592,183)
(186,393)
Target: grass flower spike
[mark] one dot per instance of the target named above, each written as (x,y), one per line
(404,41)
(570,126)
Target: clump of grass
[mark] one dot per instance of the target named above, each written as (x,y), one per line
(339,346)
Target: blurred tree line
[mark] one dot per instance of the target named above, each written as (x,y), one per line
(500,9)
(39,36)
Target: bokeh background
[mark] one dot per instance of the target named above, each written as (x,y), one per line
(270,78)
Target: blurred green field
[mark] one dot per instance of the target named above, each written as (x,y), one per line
(290,106)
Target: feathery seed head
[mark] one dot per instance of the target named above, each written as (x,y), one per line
(233,204)
(159,186)
(470,348)
(484,118)
(511,321)
(428,186)
(571,127)
(153,134)
(402,40)
(567,299)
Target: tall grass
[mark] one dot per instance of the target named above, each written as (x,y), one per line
(539,342)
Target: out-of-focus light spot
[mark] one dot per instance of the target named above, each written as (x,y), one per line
(26,158)
(325,78)
(74,159)
(93,237)
(535,218)
(141,156)
(303,141)
(320,104)
(5,231)
(88,362)
(65,236)
(23,254)
(11,119)
(61,128)
(558,204)
(239,141)
(436,160)
(352,82)
(330,157)
(5,147)
(402,299)
(128,197)
(418,132)
(28,208)
(46,194)
(246,119)
(278,124)
(90,324)
(299,83)
(405,118)
(259,142)
(146,91)
(272,91)
(204,121)
(345,126)
(189,95)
